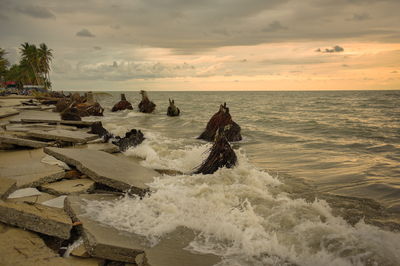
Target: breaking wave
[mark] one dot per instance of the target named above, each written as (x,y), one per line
(241,214)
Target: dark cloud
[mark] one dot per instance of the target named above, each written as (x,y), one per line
(36,11)
(360,17)
(274,26)
(96,47)
(85,33)
(335,49)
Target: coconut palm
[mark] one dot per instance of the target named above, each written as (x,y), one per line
(45,57)
(3,64)
(30,60)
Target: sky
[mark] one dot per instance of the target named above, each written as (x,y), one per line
(210,44)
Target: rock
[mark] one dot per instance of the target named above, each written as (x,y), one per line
(172,109)
(222,119)
(122,105)
(7,186)
(36,217)
(116,172)
(23,142)
(5,112)
(146,106)
(103,241)
(66,187)
(63,135)
(20,247)
(106,242)
(32,172)
(98,129)
(221,155)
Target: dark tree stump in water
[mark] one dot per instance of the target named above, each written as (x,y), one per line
(221,155)
(172,109)
(70,114)
(222,119)
(123,104)
(132,138)
(145,105)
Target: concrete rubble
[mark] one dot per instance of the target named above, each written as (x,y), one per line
(23,142)
(106,242)
(43,198)
(107,169)
(37,218)
(63,135)
(66,187)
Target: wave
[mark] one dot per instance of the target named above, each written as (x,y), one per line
(241,214)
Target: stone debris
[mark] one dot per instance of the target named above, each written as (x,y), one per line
(66,187)
(36,126)
(106,242)
(7,186)
(24,192)
(23,142)
(42,197)
(5,112)
(103,241)
(63,135)
(116,172)
(33,116)
(55,202)
(36,217)
(30,173)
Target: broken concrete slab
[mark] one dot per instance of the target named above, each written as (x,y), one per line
(21,247)
(103,240)
(116,172)
(23,142)
(36,126)
(66,187)
(80,251)
(32,172)
(42,197)
(33,116)
(7,186)
(36,217)
(63,135)
(106,147)
(55,202)
(6,112)
(24,192)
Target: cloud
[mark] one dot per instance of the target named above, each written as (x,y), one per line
(335,49)
(97,48)
(360,17)
(85,33)
(36,12)
(274,26)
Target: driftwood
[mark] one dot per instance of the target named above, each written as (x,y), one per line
(84,105)
(221,119)
(145,105)
(123,104)
(221,155)
(70,114)
(172,109)
(132,138)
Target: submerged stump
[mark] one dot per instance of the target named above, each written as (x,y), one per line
(221,154)
(123,104)
(221,119)
(145,105)
(172,109)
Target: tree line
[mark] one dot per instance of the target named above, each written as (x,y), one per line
(33,67)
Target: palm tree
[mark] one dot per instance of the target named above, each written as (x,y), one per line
(30,60)
(45,57)
(3,64)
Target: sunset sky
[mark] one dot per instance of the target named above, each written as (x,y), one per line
(211,44)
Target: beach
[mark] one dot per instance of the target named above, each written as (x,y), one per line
(316,180)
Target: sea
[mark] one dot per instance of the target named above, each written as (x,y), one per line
(317,180)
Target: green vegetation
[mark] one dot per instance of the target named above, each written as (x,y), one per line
(33,67)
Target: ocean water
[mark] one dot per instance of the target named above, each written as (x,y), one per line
(317,181)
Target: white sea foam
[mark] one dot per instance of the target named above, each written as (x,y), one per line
(242,215)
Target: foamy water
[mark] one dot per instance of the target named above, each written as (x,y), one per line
(242,214)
